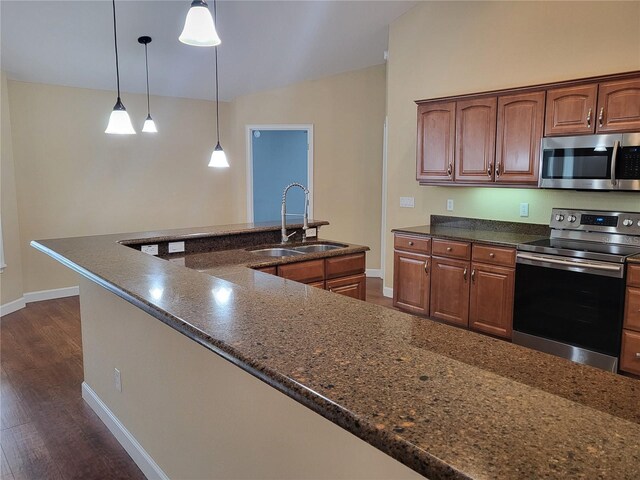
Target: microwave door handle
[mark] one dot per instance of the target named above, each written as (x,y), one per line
(614,156)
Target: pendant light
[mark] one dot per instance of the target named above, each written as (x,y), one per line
(218,157)
(119,121)
(149,125)
(199,28)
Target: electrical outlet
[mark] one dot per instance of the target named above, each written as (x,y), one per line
(450,205)
(117,379)
(176,247)
(407,202)
(150,249)
(524,209)
(312,232)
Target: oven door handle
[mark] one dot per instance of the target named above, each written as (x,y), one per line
(568,263)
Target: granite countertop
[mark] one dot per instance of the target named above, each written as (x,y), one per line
(510,239)
(446,402)
(634,259)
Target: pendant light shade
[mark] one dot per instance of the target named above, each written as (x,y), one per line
(149,125)
(218,158)
(119,121)
(199,29)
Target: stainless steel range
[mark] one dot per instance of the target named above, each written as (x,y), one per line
(569,298)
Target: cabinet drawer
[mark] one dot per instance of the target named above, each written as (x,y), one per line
(494,255)
(630,357)
(345,265)
(632,309)
(412,244)
(633,275)
(305,272)
(269,270)
(447,248)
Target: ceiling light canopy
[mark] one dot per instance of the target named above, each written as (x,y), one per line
(199,28)
(119,121)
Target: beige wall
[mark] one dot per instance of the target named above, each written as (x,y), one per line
(11,277)
(347,112)
(72,179)
(446,48)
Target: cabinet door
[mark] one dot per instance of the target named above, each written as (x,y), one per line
(354,286)
(411,282)
(450,290)
(619,106)
(492,290)
(571,110)
(520,119)
(436,137)
(475,139)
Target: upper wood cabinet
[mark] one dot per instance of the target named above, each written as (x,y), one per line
(520,122)
(436,141)
(619,106)
(571,110)
(475,139)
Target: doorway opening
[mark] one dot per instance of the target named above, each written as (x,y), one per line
(278,155)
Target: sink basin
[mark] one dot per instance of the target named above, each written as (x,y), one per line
(276,252)
(318,247)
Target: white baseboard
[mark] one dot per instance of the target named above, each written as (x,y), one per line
(51,294)
(38,297)
(387,292)
(373,272)
(11,307)
(149,467)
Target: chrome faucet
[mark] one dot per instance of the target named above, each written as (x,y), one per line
(305,226)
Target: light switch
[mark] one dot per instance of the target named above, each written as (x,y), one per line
(524,209)
(407,202)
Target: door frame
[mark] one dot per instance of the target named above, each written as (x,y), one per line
(249,143)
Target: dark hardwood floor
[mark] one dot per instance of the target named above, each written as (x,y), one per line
(46,429)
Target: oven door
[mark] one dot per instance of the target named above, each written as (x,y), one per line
(573,312)
(587,162)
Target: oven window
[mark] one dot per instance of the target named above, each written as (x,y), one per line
(578,309)
(577,163)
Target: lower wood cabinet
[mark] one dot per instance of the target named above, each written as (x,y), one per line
(342,274)
(630,354)
(450,290)
(411,282)
(491,301)
(354,286)
(464,284)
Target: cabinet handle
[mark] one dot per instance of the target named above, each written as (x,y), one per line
(449,249)
(411,244)
(492,255)
(498,166)
(637,354)
(601,117)
(464,274)
(589,118)
(490,169)
(473,275)
(450,170)
(426,267)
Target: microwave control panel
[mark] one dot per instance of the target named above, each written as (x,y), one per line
(629,163)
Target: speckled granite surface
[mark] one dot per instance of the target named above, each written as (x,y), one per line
(446,402)
(634,259)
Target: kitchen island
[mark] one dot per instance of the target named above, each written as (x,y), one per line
(443,402)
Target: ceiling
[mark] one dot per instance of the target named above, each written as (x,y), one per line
(265,44)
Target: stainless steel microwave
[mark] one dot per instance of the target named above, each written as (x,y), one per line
(591,162)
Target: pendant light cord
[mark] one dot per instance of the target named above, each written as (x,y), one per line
(115,41)
(215,21)
(146,62)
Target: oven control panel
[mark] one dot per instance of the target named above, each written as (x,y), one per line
(625,223)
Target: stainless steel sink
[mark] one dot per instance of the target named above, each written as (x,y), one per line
(318,247)
(276,252)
